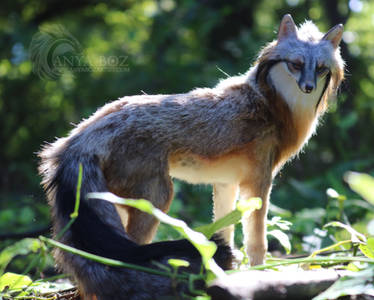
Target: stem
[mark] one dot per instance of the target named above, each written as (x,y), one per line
(104,260)
(74,214)
(78,193)
(330,248)
(67,226)
(282,262)
(33,297)
(308,255)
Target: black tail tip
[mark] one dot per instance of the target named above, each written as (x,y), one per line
(223,256)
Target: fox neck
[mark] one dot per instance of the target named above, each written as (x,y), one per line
(303,107)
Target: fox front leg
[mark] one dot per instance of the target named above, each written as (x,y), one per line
(254,225)
(224,196)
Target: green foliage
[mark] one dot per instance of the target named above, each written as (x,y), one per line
(358,284)
(242,207)
(368,249)
(171,48)
(14,281)
(22,247)
(16,286)
(356,237)
(282,238)
(275,227)
(177,263)
(363,184)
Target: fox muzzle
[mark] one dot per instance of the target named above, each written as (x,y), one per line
(307,87)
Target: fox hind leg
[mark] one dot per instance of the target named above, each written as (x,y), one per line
(142,226)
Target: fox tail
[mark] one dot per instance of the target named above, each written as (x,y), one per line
(98,230)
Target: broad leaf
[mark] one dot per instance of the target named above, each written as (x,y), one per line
(356,237)
(282,238)
(362,184)
(243,207)
(277,221)
(14,281)
(22,247)
(368,249)
(209,229)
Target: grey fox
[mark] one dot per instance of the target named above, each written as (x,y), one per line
(235,136)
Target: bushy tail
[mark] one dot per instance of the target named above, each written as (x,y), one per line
(98,230)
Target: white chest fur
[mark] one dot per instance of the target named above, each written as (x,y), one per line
(298,101)
(302,105)
(194,169)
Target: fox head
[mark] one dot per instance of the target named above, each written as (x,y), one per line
(311,58)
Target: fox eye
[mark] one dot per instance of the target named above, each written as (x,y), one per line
(295,66)
(321,70)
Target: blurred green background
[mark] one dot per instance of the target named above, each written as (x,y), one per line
(172,46)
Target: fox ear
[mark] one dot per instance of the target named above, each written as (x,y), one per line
(287,28)
(334,35)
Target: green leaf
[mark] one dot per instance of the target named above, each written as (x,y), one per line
(22,247)
(177,263)
(282,238)
(203,297)
(368,249)
(277,221)
(246,206)
(140,204)
(370,243)
(334,194)
(362,184)
(14,281)
(356,237)
(49,287)
(352,267)
(209,229)
(243,207)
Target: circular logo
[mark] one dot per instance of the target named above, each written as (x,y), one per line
(52,49)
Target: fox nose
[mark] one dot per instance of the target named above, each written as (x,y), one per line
(308,88)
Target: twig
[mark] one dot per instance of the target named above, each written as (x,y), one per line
(283,262)
(308,255)
(74,214)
